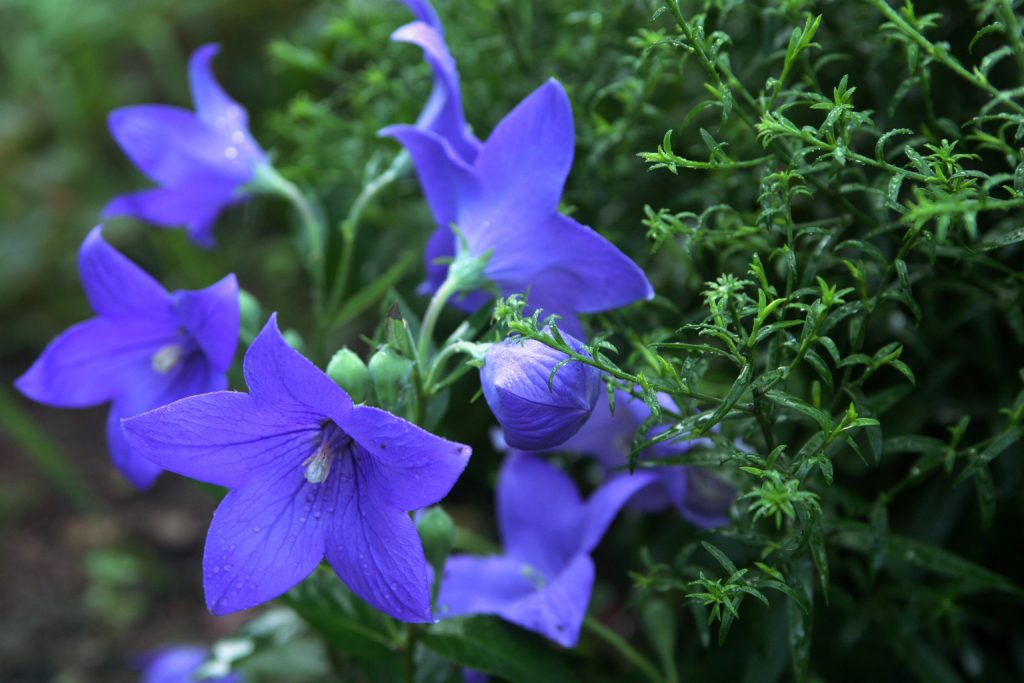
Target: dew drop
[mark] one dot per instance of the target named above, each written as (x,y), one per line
(231,152)
(255,529)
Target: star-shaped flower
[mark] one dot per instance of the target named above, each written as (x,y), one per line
(200,160)
(144,349)
(310,474)
(503,198)
(544,580)
(698,496)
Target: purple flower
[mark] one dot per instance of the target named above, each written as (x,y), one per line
(503,197)
(534,414)
(698,496)
(310,474)
(178,664)
(144,349)
(200,160)
(544,579)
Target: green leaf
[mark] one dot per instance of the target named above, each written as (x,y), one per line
(490,645)
(793,403)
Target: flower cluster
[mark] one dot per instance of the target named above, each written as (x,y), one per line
(312,472)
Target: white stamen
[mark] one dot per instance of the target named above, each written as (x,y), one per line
(318,465)
(164,360)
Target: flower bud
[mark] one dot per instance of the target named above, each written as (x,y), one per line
(392,378)
(535,414)
(350,373)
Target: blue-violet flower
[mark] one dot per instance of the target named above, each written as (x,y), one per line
(544,580)
(201,160)
(535,413)
(310,474)
(179,664)
(144,349)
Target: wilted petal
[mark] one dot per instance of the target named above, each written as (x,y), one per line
(211,317)
(115,286)
(404,465)
(557,610)
(279,376)
(171,145)
(376,551)
(222,438)
(540,513)
(482,585)
(446,180)
(93,361)
(443,112)
(266,537)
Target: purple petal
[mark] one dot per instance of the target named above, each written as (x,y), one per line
(440,246)
(215,108)
(706,500)
(424,12)
(172,146)
(527,158)
(482,585)
(194,204)
(406,466)
(534,413)
(223,438)
(92,362)
(605,503)
(177,664)
(540,513)
(376,551)
(443,112)
(445,179)
(558,610)
(265,538)
(135,468)
(565,266)
(278,376)
(115,286)
(211,316)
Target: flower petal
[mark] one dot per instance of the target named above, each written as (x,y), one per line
(527,158)
(406,466)
(565,266)
(222,438)
(557,611)
(604,504)
(539,513)
(211,316)
(443,113)
(195,204)
(706,499)
(92,362)
(140,471)
(115,286)
(376,551)
(278,376)
(446,180)
(425,12)
(482,585)
(171,145)
(266,537)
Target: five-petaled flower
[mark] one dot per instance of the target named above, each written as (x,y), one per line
(503,199)
(544,580)
(200,160)
(179,664)
(697,495)
(536,410)
(144,349)
(310,474)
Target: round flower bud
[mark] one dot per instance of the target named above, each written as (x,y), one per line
(350,373)
(534,414)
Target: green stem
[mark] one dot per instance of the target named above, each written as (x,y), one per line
(437,302)
(411,633)
(625,649)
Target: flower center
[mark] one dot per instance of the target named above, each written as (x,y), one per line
(333,442)
(167,357)
(533,576)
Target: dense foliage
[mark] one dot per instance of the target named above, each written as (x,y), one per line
(826,197)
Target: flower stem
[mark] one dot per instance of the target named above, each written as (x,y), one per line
(625,649)
(437,302)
